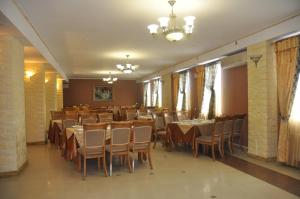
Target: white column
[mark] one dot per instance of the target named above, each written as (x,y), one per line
(35,103)
(262,102)
(13,154)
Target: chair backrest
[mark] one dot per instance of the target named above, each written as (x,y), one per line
(57,115)
(237,125)
(71,115)
(67,123)
(159,122)
(105,117)
(92,126)
(228,126)
(122,124)
(94,138)
(182,115)
(168,118)
(131,114)
(143,123)
(141,112)
(218,129)
(120,136)
(142,137)
(88,120)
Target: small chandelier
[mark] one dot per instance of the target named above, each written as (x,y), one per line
(127,67)
(109,79)
(169,28)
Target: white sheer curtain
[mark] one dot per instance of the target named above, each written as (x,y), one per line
(212,77)
(294,130)
(218,89)
(148,94)
(159,93)
(183,99)
(295,113)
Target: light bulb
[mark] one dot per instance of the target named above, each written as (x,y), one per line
(164,22)
(153,29)
(189,20)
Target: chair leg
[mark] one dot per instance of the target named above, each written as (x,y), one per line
(104,166)
(150,160)
(213,151)
(155,140)
(132,165)
(230,145)
(99,163)
(196,149)
(128,164)
(110,164)
(84,168)
(221,149)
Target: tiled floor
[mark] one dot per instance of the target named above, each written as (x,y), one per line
(176,175)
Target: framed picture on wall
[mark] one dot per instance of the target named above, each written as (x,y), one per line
(103,93)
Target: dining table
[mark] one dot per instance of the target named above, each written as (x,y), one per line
(186,132)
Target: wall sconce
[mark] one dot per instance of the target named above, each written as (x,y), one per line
(29,74)
(46,81)
(255,59)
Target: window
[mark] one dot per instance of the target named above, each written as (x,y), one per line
(213,77)
(159,93)
(156,93)
(148,93)
(183,92)
(295,114)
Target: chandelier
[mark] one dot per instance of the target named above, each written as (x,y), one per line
(169,28)
(109,79)
(127,67)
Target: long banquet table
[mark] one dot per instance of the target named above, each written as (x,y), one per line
(186,131)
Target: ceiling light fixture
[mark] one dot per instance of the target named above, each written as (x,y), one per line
(127,67)
(169,28)
(109,79)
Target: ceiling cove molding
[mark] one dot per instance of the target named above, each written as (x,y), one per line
(11,10)
(281,29)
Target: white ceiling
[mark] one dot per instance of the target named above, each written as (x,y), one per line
(88,38)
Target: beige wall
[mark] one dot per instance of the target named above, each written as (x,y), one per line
(35,103)
(12,111)
(50,85)
(166,91)
(262,102)
(59,94)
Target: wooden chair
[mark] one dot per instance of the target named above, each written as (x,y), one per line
(130,114)
(227,136)
(88,120)
(159,128)
(212,140)
(142,141)
(105,117)
(119,143)
(182,115)
(94,146)
(57,115)
(237,131)
(71,115)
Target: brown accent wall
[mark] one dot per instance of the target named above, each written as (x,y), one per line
(80,91)
(140,93)
(235,95)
